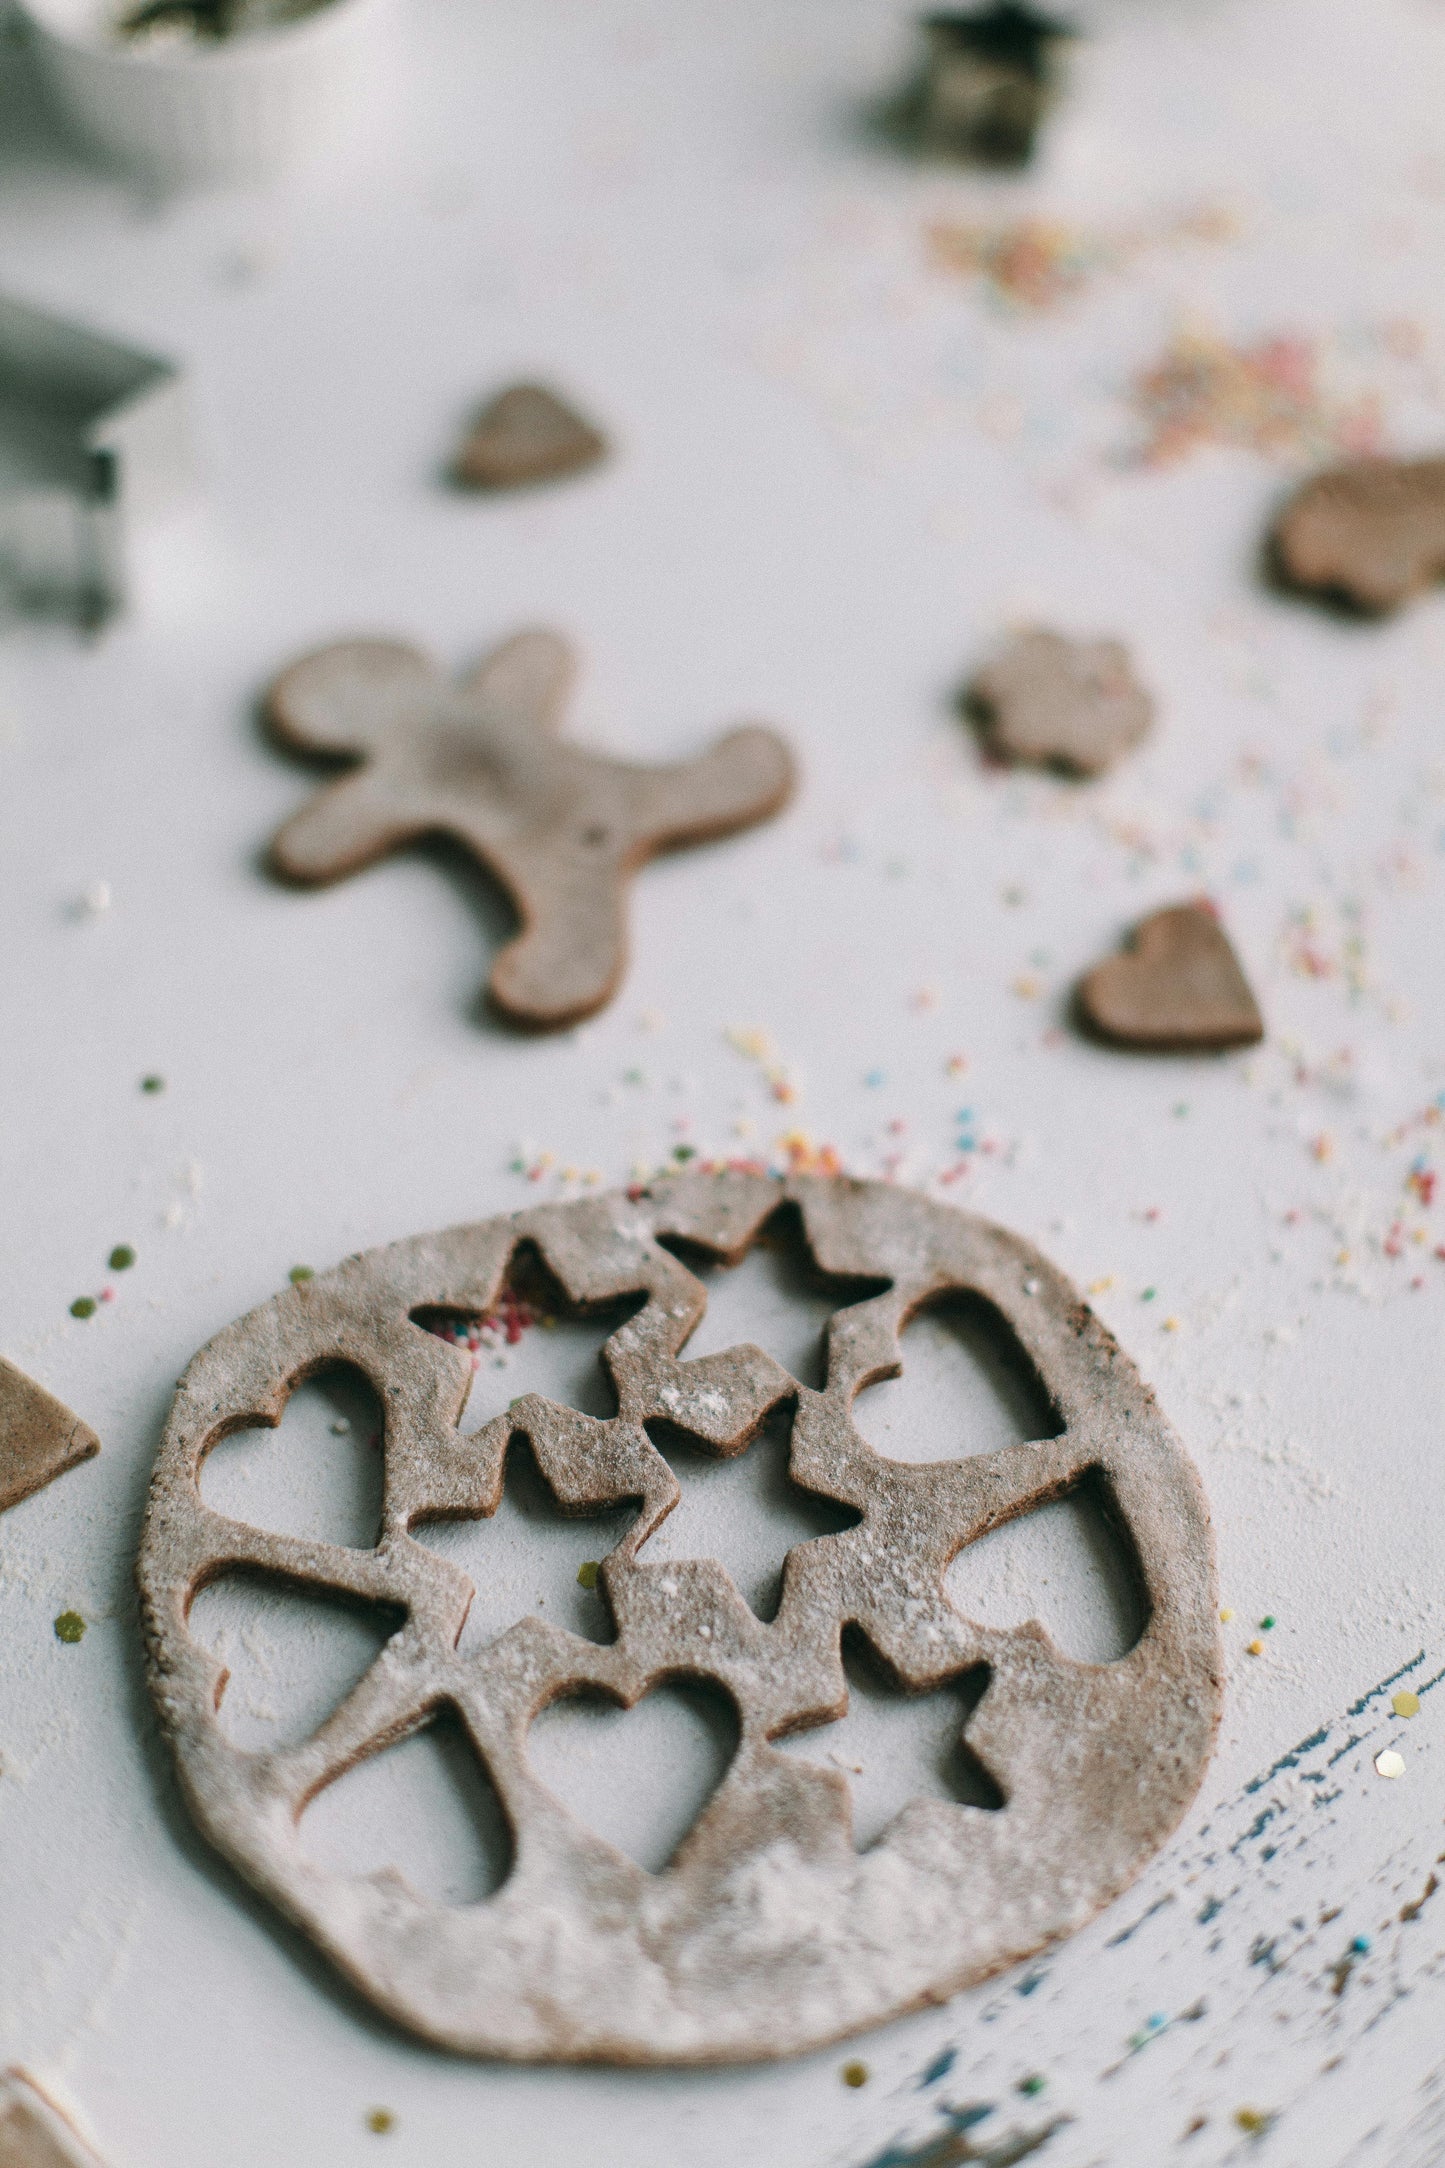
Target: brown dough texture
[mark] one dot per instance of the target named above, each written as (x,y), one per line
(562,829)
(768,1933)
(1177,988)
(527,434)
(39,1437)
(1072,704)
(33,2132)
(1372,532)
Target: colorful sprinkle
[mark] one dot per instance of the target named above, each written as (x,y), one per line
(70,1628)
(300,1274)
(152,1084)
(380,2121)
(1265,398)
(1405,1703)
(122,1257)
(1389,1763)
(854,2074)
(83,1306)
(587,1574)
(1253,2121)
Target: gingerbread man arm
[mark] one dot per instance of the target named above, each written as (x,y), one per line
(741,778)
(350,697)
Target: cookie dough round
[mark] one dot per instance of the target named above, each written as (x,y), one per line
(768,1933)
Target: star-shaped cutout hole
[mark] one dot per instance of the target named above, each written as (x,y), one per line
(743,1510)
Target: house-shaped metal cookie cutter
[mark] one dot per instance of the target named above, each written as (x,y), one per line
(93,440)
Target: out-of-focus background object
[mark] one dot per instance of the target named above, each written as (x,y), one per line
(992,76)
(93,438)
(236,96)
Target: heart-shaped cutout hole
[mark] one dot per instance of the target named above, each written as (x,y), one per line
(639,1777)
(318,1474)
(426,1808)
(1070,1564)
(292,1654)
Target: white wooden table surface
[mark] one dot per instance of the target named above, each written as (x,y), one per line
(841,472)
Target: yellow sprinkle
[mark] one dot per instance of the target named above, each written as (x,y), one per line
(1256,1647)
(1101,1287)
(1389,1764)
(1406,1704)
(1028,988)
(380,2120)
(854,2074)
(1170,1324)
(1251,2120)
(587,1574)
(1225,1617)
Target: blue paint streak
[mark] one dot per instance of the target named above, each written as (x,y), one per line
(1376,1691)
(938,2068)
(1291,1760)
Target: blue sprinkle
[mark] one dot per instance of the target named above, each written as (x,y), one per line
(1157,2022)
(874,1079)
(939,2067)
(1361,1945)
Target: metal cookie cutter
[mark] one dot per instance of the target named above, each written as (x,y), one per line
(93,439)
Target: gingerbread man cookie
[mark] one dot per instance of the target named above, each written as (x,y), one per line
(771,1930)
(562,829)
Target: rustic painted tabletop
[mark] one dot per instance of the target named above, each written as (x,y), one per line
(867,413)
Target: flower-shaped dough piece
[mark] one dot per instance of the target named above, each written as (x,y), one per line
(1055,702)
(561,828)
(1371,533)
(769,1932)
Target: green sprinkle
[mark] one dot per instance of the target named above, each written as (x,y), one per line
(152,1083)
(684,1151)
(1266,1623)
(122,1257)
(587,1574)
(1031,2085)
(83,1306)
(1182,1109)
(300,1274)
(380,2120)
(70,1628)
(1149,1294)
(854,2074)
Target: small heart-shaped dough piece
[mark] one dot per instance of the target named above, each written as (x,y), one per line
(1061,703)
(1177,988)
(1372,532)
(527,434)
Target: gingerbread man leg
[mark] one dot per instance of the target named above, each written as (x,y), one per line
(570,888)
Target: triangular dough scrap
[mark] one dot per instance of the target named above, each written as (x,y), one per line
(39,1440)
(527,434)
